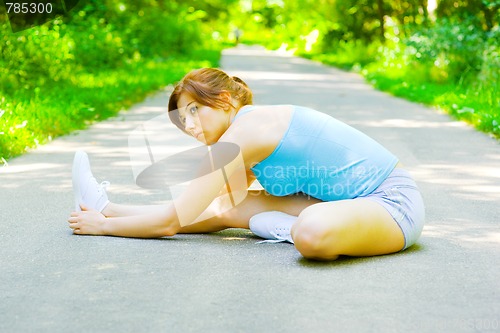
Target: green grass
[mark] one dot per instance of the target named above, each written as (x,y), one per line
(472,100)
(475,104)
(30,117)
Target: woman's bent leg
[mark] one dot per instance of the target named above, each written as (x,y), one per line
(119,210)
(357,227)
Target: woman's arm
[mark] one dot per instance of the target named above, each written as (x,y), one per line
(217,170)
(161,222)
(186,209)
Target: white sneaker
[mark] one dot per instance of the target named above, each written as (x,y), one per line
(85,187)
(273,226)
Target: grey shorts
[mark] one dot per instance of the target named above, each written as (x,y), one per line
(399,194)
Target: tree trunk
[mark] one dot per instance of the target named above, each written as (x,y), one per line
(381,14)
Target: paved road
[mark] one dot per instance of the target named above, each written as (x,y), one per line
(52,281)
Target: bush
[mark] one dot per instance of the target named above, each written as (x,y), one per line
(449,52)
(453,67)
(60,76)
(30,59)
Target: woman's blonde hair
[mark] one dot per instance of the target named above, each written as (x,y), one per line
(206,85)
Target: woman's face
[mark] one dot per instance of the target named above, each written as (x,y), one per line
(202,122)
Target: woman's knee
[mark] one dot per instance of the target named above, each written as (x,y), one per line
(313,239)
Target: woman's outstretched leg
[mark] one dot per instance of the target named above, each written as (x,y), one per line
(256,202)
(119,210)
(93,196)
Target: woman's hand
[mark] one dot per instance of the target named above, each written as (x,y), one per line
(87,222)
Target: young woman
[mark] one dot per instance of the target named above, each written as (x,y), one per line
(328,188)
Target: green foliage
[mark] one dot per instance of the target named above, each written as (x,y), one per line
(106,54)
(486,13)
(456,50)
(453,67)
(448,58)
(102,57)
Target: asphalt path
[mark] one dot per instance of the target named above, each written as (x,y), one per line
(53,281)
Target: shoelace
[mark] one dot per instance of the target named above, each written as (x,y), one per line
(103,185)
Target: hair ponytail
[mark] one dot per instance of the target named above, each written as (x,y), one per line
(245,95)
(206,86)
(237,79)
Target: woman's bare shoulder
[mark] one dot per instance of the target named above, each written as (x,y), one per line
(259,131)
(261,123)
(261,117)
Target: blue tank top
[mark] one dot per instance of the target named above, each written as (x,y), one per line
(323,158)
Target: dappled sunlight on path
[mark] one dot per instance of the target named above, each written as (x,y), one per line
(470,182)
(462,233)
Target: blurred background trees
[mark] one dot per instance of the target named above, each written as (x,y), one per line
(440,52)
(103,55)
(98,58)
